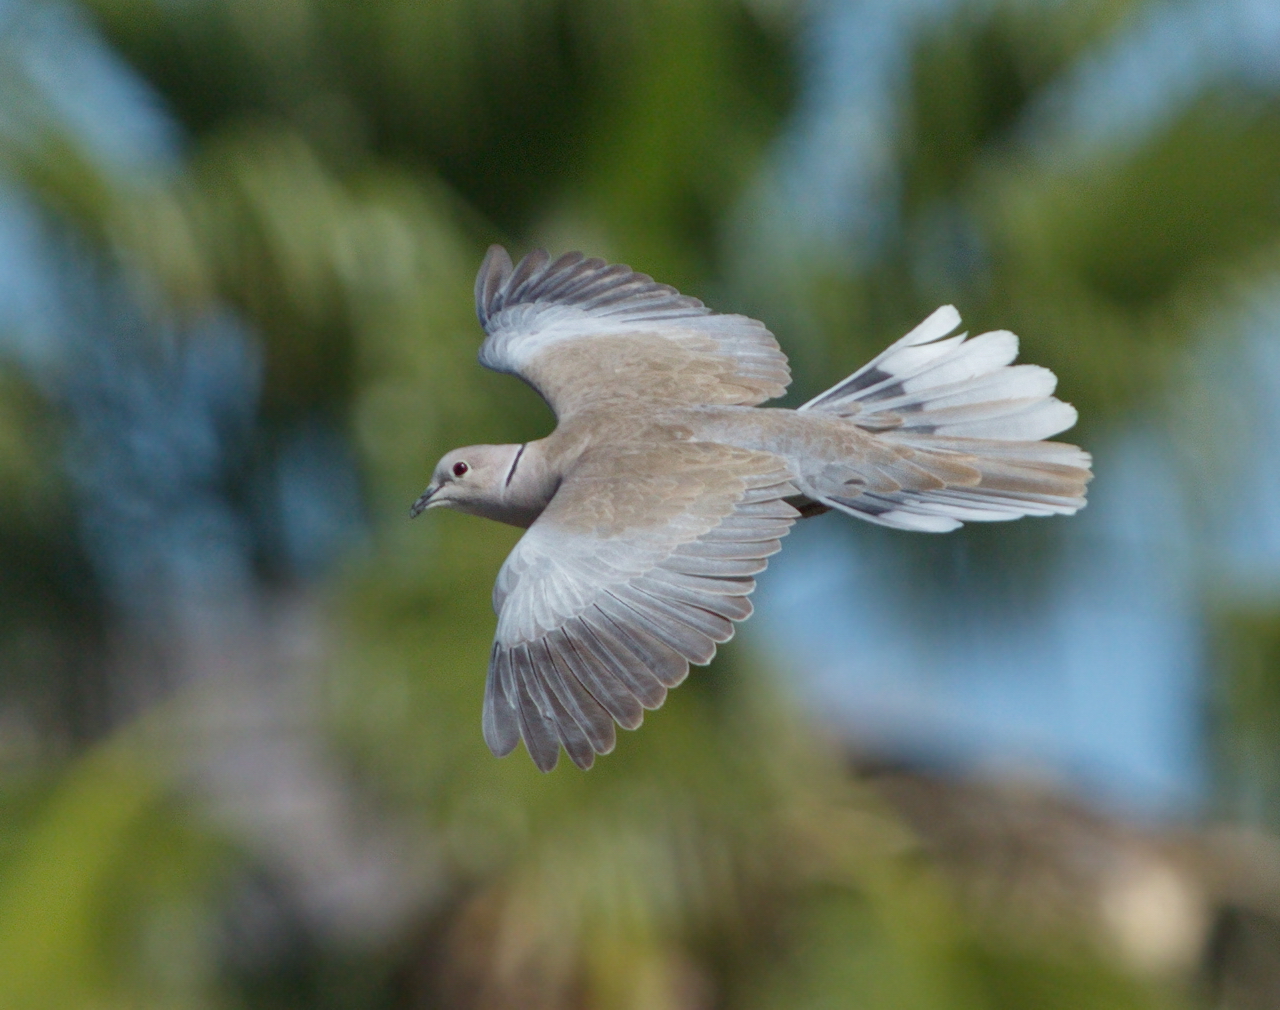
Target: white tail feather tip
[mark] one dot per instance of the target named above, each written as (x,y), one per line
(941,322)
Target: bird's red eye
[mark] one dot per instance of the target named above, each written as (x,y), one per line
(459,469)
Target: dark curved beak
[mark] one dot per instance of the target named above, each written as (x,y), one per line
(421,504)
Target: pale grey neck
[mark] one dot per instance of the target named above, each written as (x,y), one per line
(525,489)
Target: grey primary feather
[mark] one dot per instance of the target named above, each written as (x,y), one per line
(688,646)
(576,700)
(596,678)
(627,666)
(567,730)
(664,662)
(736,608)
(501,728)
(540,738)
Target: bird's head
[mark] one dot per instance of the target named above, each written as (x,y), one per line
(472,480)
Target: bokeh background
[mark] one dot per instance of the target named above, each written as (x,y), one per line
(1020,766)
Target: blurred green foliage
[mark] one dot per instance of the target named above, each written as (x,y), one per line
(342,167)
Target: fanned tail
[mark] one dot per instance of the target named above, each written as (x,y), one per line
(968,424)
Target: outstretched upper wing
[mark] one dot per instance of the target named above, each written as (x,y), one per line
(634,571)
(581,331)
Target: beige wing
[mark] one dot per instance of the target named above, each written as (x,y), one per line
(581,331)
(636,569)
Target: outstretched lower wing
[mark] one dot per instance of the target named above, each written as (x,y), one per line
(581,332)
(636,569)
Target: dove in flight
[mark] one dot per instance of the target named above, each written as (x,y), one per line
(665,487)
